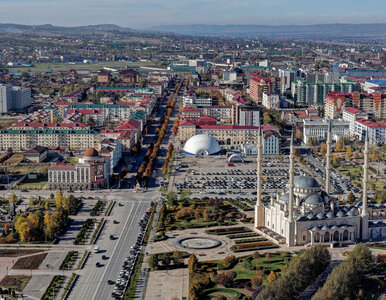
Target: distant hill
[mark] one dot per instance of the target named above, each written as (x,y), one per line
(283,31)
(48,29)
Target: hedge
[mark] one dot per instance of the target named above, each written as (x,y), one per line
(272,246)
(224,231)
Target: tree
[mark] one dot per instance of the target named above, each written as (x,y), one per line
(334,160)
(350,197)
(373,156)
(323,149)
(58,199)
(171,198)
(267,118)
(153,261)
(349,153)
(12,198)
(31,201)
(256,281)
(184,194)
(47,205)
(192,263)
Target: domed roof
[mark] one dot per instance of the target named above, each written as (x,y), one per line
(305,182)
(90,152)
(235,157)
(314,199)
(201,145)
(285,197)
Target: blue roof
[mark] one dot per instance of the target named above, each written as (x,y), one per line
(379,82)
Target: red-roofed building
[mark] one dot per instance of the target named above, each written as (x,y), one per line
(132,126)
(259,85)
(190,112)
(373,104)
(350,114)
(375,131)
(225,134)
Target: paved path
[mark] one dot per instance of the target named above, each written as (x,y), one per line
(174,283)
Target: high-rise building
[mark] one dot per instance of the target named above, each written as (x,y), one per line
(286,78)
(314,93)
(5,98)
(14,98)
(21,97)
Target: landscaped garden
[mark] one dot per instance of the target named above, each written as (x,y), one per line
(196,214)
(235,277)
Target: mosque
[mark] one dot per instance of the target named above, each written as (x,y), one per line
(306,214)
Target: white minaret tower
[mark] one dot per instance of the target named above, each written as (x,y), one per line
(328,158)
(291,179)
(290,234)
(364,216)
(259,209)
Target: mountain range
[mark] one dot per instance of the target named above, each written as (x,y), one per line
(242,31)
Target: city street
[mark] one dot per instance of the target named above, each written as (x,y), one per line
(92,283)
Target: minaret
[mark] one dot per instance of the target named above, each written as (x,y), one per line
(259,210)
(290,231)
(291,179)
(364,217)
(328,158)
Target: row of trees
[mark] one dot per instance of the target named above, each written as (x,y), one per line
(301,272)
(169,155)
(346,280)
(144,172)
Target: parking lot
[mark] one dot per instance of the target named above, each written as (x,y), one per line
(212,175)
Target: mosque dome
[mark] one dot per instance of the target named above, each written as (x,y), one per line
(285,197)
(314,199)
(305,182)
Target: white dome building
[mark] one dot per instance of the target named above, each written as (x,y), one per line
(201,145)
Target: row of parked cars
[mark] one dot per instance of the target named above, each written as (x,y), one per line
(129,263)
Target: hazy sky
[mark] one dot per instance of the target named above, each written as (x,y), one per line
(147,13)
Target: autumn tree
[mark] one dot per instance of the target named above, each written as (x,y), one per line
(192,263)
(12,198)
(256,281)
(6,229)
(58,199)
(272,276)
(350,197)
(323,149)
(349,153)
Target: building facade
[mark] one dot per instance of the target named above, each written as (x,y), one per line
(319,128)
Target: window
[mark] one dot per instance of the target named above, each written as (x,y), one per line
(304,238)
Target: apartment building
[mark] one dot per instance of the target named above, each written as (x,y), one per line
(350,114)
(14,98)
(319,128)
(24,139)
(373,104)
(375,131)
(314,93)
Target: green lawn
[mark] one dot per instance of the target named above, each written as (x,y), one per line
(261,266)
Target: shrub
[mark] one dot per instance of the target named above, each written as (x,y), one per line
(253,245)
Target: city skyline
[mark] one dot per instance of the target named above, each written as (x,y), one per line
(152,13)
